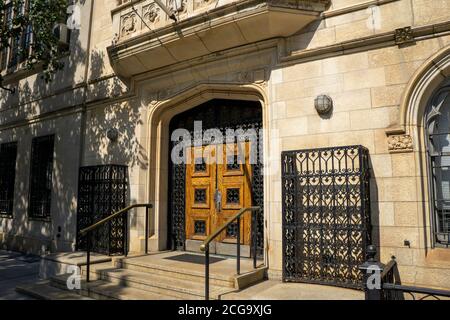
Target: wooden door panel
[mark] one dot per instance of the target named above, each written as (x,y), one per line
(231,178)
(234,185)
(200,188)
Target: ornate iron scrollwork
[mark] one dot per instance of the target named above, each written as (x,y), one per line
(103,190)
(326,215)
(233,195)
(200,195)
(232,230)
(200,227)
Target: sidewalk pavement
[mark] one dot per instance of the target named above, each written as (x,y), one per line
(15,269)
(276,290)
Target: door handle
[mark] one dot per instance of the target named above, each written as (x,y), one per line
(218,200)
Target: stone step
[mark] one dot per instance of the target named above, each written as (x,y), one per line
(175,272)
(156,283)
(45,291)
(222,273)
(104,290)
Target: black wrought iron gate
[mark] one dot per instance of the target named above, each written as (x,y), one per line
(103,190)
(326,215)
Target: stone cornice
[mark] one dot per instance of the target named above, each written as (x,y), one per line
(227,26)
(366,43)
(355,7)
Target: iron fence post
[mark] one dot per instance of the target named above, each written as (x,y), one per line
(146,229)
(126,234)
(238,238)
(207,272)
(88,256)
(372,270)
(254,238)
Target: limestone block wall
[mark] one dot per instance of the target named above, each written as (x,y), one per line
(347,20)
(22,233)
(38,108)
(366,83)
(129,119)
(367,88)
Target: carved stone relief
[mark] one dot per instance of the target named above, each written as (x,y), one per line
(177,6)
(128,24)
(202,3)
(400,143)
(404,35)
(151,13)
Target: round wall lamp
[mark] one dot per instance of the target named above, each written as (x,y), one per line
(323,104)
(112,134)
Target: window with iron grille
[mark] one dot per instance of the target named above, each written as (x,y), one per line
(41,177)
(19,46)
(438,139)
(8,154)
(7,20)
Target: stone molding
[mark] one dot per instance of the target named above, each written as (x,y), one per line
(142,46)
(381,40)
(355,7)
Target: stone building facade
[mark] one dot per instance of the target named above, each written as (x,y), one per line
(132,69)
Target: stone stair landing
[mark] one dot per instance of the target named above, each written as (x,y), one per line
(167,275)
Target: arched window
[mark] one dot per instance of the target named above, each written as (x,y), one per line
(437,125)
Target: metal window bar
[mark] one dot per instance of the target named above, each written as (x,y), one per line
(8,155)
(42,149)
(8,22)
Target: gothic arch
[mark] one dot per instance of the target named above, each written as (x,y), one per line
(417,97)
(159,115)
(421,87)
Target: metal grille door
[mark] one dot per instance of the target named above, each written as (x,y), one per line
(326,215)
(103,190)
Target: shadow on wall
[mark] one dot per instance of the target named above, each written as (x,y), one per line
(123,117)
(21,120)
(63,101)
(374,209)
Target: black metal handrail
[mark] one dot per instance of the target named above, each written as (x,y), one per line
(88,231)
(428,292)
(389,286)
(205,246)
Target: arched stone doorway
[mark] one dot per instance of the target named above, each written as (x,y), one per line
(203,195)
(159,116)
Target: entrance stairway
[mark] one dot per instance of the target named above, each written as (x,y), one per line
(159,276)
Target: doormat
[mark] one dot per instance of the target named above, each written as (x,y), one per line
(193,258)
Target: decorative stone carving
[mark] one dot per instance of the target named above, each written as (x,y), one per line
(400,143)
(115,39)
(202,3)
(128,24)
(121,2)
(404,35)
(245,76)
(177,6)
(151,13)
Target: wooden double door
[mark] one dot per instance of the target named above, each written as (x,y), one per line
(218,185)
